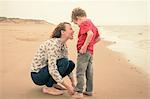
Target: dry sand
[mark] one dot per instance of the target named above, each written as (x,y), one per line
(114,76)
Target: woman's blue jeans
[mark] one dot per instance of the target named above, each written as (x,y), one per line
(43,77)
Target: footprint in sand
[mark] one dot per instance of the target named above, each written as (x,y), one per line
(134,68)
(26,37)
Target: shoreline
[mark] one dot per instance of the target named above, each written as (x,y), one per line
(131,41)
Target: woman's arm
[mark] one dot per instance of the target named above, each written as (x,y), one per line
(52,57)
(72,79)
(53,50)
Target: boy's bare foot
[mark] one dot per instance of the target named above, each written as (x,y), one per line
(78,95)
(60,87)
(52,91)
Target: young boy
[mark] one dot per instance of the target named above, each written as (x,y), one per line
(87,37)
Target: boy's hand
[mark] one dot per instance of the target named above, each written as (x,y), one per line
(83,49)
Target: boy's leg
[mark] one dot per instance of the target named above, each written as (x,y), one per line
(89,78)
(82,62)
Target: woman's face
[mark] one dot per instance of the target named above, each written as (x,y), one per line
(69,31)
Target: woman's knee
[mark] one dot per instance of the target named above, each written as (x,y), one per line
(62,62)
(71,64)
(36,80)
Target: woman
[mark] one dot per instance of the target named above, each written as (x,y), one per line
(50,63)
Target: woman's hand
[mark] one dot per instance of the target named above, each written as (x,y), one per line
(69,88)
(72,81)
(73,84)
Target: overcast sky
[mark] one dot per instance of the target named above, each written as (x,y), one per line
(102,12)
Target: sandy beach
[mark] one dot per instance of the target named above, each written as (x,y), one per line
(114,76)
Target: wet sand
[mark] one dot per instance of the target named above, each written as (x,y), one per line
(114,76)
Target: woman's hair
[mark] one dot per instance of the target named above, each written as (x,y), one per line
(57,31)
(77,12)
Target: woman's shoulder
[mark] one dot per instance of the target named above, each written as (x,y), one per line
(52,41)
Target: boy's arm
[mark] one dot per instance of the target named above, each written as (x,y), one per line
(87,41)
(97,40)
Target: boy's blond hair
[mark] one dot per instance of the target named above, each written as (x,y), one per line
(77,12)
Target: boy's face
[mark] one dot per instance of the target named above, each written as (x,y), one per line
(77,22)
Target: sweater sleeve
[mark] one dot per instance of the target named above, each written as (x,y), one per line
(53,51)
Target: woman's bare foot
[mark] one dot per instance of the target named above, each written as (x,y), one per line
(52,91)
(59,87)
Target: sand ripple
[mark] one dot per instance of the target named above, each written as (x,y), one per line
(27,37)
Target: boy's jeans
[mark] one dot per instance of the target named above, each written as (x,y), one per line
(84,67)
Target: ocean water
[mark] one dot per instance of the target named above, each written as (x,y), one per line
(133,42)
